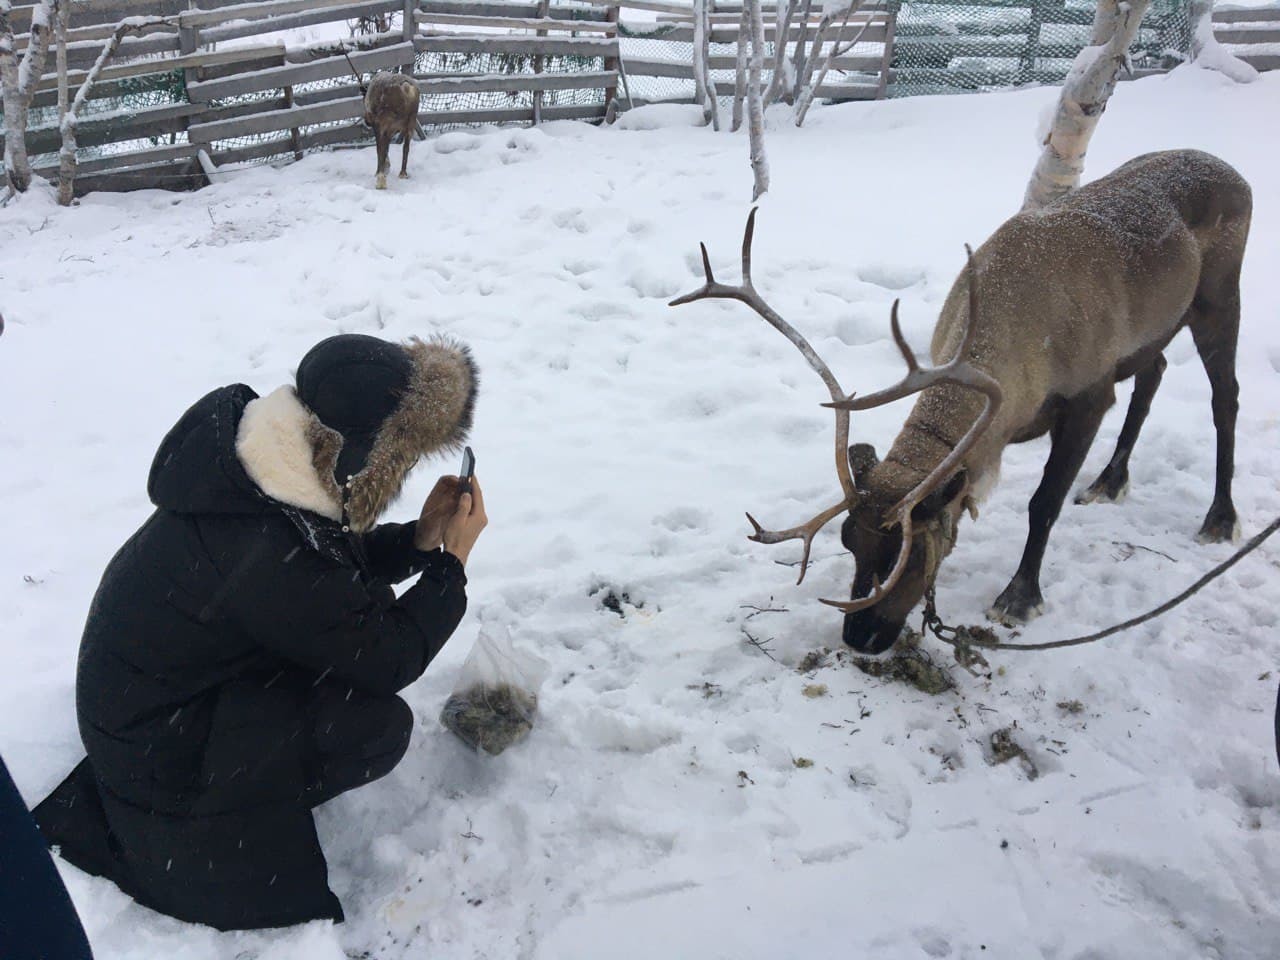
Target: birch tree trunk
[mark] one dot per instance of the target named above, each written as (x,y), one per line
(705,88)
(811,85)
(755,104)
(740,73)
(18,83)
(778,83)
(66,156)
(1208,53)
(1084,97)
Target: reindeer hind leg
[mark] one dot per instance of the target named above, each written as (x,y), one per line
(384,145)
(1113,482)
(407,137)
(1215,326)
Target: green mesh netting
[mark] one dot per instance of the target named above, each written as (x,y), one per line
(948,46)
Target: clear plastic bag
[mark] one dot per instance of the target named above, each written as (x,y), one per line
(494,701)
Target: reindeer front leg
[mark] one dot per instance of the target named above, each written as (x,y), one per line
(1072,434)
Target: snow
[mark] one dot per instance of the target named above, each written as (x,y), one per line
(657,808)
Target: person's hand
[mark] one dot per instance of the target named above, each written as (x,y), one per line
(440,505)
(463,528)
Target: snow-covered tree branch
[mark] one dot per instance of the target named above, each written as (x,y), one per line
(1084,97)
(67,154)
(1208,53)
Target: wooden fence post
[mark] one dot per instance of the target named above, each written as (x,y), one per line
(544,7)
(188,43)
(613,63)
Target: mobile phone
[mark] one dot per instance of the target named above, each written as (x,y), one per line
(468,469)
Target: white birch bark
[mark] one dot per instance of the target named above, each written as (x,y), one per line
(703,85)
(66,171)
(838,49)
(755,104)
(1084,97)
(1208,53)
(740,73)
(798,57)
(18,81)
(782,22)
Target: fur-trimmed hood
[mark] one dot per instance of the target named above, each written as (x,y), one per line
(290,455)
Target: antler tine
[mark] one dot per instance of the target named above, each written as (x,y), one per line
(805,532)
(970,327)
(878,590)
(959,371)
(746,293)
(901,341)
(747,236)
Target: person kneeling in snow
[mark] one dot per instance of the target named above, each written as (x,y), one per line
(242,655)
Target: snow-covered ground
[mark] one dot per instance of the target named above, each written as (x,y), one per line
(661,808)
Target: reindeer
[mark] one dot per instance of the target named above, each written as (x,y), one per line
(391,107)
(1049,314)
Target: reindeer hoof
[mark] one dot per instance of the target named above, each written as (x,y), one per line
(380,182)
(1220,526)
(1105,490)
(1017,605)
(404,175)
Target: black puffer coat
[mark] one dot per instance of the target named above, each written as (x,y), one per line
(225,589)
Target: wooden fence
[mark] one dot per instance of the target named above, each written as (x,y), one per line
(217,84)
(1252,34)
(229,90)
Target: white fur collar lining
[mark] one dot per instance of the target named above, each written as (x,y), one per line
(274,446)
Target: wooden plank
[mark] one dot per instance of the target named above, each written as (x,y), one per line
(179,176)
(95,34)
(259,11)
(138,68)
(279,77)
(274,120)
(496,8)
(674,33)
(886,57)
(593,111)
(123,161)
(658,6)
(1261,61)
(255,28)
(1250,15)
(117,128)
(865,63)
(548,47)
(518,82)
(515,23)
(81,56)
(1249,35)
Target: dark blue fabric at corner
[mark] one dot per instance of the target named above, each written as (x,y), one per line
(37,918)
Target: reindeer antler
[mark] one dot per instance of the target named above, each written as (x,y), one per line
(746,292)
(958,371)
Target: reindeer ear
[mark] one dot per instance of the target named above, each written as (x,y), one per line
(862,458)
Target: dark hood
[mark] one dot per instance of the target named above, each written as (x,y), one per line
(196,469)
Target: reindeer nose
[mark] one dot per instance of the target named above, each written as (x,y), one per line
(867,632)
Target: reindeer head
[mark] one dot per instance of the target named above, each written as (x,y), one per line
(897,540)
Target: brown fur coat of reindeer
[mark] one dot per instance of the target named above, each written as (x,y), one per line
(1051,312)
(391,107)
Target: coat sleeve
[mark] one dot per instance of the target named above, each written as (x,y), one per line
(322,616)
(391,554)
